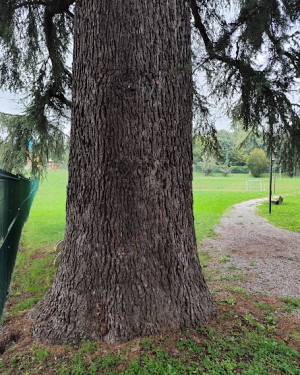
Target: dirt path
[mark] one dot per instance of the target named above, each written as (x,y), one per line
(268,256)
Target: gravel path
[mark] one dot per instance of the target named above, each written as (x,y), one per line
(268,255)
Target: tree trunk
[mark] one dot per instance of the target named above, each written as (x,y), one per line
(129,266)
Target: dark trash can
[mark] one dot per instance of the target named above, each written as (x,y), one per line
(16,196)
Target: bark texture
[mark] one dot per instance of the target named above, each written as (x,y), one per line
(130,266)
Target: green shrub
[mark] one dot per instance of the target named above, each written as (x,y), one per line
(257,162)
(225,170)
(208,165)
(197,168)
(239,169)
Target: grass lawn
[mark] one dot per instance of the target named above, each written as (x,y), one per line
(285,215)
(33,271)
(209,207)
(213,195)
(244,339)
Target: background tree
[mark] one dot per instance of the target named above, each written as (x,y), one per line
(250,51)
(18,131)
(208,165)
(248,140)
(35,40)
(198,150)
(236,145)
(227,142)
(225,171)
(238,156)
(257,162)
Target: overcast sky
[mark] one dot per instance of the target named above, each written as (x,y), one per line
(10,103)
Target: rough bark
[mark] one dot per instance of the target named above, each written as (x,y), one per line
(129,266)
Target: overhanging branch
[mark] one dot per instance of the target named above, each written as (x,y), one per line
(53,7)
(30,3)
(60,6)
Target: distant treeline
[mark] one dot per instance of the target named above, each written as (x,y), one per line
(235,145)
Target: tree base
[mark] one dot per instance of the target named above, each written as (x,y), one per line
(59,321)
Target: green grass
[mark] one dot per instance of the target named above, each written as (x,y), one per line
(243,350)
(46,223)
(237,182)
(34,269)
(214,195)
(286,215)
(293,303)
(235,345)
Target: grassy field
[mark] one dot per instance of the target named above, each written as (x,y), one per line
(46,224)
(246,338)
(213,195)
(237,182)
(286,215)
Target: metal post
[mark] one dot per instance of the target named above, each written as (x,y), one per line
(270,186)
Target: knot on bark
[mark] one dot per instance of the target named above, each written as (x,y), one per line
(125,83)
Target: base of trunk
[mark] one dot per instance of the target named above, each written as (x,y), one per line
(69,322)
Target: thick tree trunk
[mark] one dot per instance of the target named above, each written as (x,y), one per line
(130,266)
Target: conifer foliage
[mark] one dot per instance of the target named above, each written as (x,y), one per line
(250,53)
(35,40)
(248,49)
